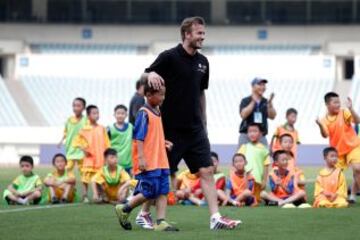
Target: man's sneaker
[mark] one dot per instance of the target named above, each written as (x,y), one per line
(166,227)
(144,221)
(123,217)
(223,223)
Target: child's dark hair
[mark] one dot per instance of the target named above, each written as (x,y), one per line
(27,159)
(277,153)
(149,89)
(214,155)
(58,155)
(328,150)
(286,135)
(255,125)
(291,111)
(110,152)
(89,108)
(330,95)
(120,106)
(82,100)
(138,84)
(238,155)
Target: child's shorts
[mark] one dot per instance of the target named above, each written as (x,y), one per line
(87,175)
(152,186)
(352,157)
(71,164)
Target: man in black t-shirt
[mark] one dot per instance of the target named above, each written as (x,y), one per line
(185,73)
(256,109)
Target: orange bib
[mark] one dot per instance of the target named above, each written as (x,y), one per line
(342,135)
(279,191)
(239,183)
(330,182)
(154,145)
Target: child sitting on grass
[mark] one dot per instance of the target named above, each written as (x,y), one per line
(111,183)
(284,192)
(330,185)
(26,188)
(240,187)
(61,182)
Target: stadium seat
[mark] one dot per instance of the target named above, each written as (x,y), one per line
(10,114)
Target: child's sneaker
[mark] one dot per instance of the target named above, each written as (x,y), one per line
(144,221)
(54,200)
(351,199)
(85,200)
(123,217)
(305,205)
(223,223)
(289,205)
(166,227)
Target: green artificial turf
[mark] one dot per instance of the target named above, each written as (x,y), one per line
(88,221)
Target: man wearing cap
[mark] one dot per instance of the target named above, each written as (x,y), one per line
(256,109)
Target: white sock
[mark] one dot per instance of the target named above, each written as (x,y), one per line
(22,201)
(352,197)
(215,216)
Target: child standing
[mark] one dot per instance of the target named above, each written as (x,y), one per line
(61,182)
(26,188)
(111,182)
(120,135)
(93,140)
(330,185)
(258,158)
(151,166)
(72,127)
(337,126)
(287,128)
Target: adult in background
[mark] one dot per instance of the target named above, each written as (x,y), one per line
(137,101)
(256,109)
(185,73)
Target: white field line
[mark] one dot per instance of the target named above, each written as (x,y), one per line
(39,208)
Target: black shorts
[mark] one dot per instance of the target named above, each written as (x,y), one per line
(193,147)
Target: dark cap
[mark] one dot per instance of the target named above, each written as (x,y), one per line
(258,80)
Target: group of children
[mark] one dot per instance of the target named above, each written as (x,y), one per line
(109,158)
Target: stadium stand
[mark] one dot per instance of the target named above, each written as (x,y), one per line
(10,114)
(54,95)
(278,49)
(81,48)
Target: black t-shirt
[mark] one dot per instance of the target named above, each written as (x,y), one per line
(185,77)
(259,107)
(137,101)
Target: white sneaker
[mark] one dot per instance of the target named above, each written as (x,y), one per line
(144,221)
(289,205)
(223,223)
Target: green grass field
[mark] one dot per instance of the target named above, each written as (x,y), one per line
(87,221)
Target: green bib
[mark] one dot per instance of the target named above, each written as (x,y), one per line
(25,184)
(256,157)
(109,180)
(62,178)
(121,141)
(72,130)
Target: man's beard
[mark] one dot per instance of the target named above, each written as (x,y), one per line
(194,45)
